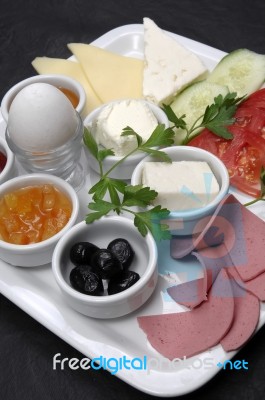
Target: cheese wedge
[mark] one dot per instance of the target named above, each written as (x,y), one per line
(168,66)
(112,76)
(46,65)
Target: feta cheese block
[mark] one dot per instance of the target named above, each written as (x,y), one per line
(114,117)
(181,185)
(47,65)
(111,75)
(168,66)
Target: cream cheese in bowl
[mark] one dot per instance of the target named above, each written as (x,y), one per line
(113,118)
(106,124)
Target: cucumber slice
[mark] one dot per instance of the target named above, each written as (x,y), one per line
(193,101)
(243,71)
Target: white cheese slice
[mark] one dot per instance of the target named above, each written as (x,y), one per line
(46,65)
(112,76)
(168,66)
(182,185)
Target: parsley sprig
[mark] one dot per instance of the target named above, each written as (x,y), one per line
(216,117)
(124,197)
(115,195)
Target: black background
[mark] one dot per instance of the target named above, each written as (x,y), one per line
(32,28)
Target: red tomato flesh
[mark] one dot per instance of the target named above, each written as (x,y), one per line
(244,155)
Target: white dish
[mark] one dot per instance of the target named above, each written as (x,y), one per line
(101,233)
(40,253)
(38,294)
(184,222)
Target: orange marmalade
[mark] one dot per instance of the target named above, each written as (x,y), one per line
(33,214)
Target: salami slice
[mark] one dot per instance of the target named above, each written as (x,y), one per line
(257,286)
(192,293)
(189,294)
(254,235)
(246,317)
(192,332)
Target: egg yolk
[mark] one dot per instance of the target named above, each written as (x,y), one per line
(33,214)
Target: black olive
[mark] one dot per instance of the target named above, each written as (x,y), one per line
(122,282)
(122,250)
(86,281)
(81,253)
(106,264)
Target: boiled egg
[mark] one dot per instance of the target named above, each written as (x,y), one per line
(41,118)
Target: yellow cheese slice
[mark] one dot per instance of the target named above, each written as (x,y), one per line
(112,76)
(46,65)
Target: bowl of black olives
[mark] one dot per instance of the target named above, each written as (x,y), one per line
(105,269)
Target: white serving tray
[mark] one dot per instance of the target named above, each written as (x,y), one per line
(35,291)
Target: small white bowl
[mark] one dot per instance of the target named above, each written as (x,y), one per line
(124,170)
(53,79)
(36,254)
(100,233)
(187,222)
(9,170)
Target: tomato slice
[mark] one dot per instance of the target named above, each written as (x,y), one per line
(256,99)
(251,118)
(244,163)
(244,155)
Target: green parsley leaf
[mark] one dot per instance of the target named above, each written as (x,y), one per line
(118,184)
(104,153)
(219,115)
(138,196)
(90,142)
(141,224)
(99,189)
(101,208)
(114,196)
(160,137)
(231,99)
(219,123)
(178,122)
(210,113)
(128,131)
(92,146)
(150,220)
(157,153)
(107,184)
